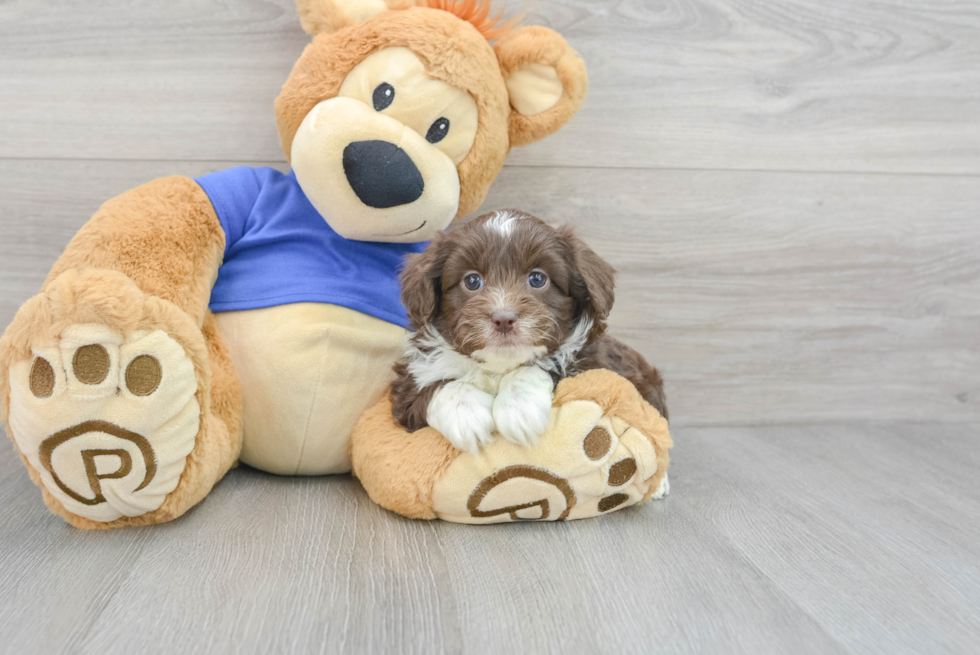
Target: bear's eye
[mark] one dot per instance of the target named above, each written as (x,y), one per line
(537,279)
(438,130)
(384,95)
(473,281)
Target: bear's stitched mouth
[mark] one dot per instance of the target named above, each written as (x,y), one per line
(401,234)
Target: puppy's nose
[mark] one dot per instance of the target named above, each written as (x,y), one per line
(503,321)
(382,174)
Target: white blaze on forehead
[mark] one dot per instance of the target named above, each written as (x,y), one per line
(500,299)
(503,222)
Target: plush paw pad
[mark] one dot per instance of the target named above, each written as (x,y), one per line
(586,464)
(106,421)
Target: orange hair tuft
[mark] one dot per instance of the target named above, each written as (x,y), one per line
(477,13)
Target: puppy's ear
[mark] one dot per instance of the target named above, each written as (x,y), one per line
(593,281)
(422,281)
(546,81)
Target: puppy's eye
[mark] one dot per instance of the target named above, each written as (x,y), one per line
(384,95)
(438,130)
(473,282)
(537,279)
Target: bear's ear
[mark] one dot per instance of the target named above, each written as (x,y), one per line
(327,16)
(546,81)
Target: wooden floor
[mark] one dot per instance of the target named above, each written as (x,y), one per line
(791,193)
(828,539)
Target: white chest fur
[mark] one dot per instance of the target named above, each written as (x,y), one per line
(431,359)
(509,393)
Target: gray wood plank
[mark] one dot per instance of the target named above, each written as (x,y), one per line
(655,580)
(297,565)
(719,84)
(823,539)
(764,297)
(781,297)
(864,537)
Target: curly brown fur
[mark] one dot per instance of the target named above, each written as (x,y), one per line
(559,327)
(614,355)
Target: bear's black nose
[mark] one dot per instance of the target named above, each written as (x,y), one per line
(382,174)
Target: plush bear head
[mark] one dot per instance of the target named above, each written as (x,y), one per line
(397,118)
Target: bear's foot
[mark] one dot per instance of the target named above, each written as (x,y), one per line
(605,449)
(588,463)
(104,411)
(107,422)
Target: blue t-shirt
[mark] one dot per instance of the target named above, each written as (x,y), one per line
(279,250)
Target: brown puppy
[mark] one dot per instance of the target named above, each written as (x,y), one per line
(502,309)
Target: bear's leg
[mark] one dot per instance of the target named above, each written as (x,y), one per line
(116,387)
(123,410)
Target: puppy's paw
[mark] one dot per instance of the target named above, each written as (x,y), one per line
(463,414)
(663,489)
(522,409)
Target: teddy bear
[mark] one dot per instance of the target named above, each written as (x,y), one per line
(251,315)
